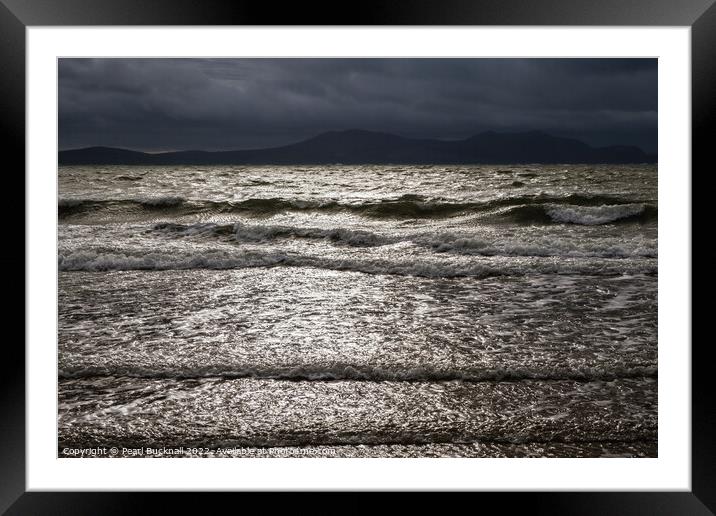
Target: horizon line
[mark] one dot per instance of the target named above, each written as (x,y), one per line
(537,131)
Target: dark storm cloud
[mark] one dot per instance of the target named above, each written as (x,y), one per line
(212,104)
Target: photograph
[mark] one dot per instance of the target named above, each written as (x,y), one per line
(348,257)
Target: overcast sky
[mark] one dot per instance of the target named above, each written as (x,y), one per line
(221,104)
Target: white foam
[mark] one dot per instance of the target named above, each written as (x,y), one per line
(593,215)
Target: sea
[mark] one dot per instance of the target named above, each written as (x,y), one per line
(358,311)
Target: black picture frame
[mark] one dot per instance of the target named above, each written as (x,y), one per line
(17,15)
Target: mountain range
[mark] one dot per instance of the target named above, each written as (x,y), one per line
(368,147)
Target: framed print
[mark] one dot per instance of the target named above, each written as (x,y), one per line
(413,249)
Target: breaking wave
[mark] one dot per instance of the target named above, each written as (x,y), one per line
(440,242)
(530,208)
(582,215)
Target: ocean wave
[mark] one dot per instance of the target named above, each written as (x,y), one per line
(350,237)
(89,260)
(581,215)
(369,373)
(538,247)
(168,201)
(594,215)
(68,207)
(408,206)
(440,242)
(189,230)
(261,233)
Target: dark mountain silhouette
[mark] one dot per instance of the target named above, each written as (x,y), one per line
(367,147)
